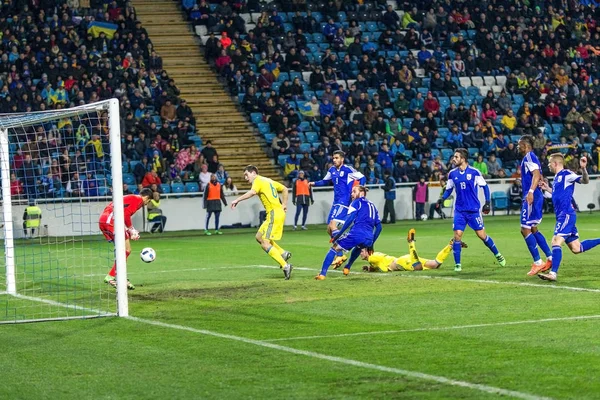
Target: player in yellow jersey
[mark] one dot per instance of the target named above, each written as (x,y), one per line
(380,262)
(272,229)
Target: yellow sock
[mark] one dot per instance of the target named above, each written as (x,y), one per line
(443,254)
(276,255)
(278,247)
(412,250)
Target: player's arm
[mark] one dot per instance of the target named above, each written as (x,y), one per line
(284,194)
(479,181)
(585,178)
(377,231)
(547,189)
(447,192)
(249,194)
(323,182)
(358,176)
(223,198)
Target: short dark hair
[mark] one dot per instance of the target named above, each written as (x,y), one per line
(146,192)
(339,153)
(528,139)
(251,168)
(464,153)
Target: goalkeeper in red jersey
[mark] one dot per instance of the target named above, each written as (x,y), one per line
(131,204)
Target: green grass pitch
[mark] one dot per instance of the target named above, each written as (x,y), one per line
(237,330)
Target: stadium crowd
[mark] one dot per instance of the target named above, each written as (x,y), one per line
(399,86)
(58,54)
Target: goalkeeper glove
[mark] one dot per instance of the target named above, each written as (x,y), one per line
(486,208)
(133,233)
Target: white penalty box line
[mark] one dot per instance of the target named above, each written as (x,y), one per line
(347,361)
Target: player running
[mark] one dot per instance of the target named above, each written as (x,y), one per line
(532,207)
(131,204)
(467,180)
(343,178)
(272,229)
(380,262)
(562,196)
(366,227)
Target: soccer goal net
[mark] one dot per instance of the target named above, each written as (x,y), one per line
(59,170)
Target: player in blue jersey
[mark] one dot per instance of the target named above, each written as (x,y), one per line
(467,180)
(532,207)
(562,199)
(366,227)
(342,177)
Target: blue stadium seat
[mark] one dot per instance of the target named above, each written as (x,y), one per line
(281,160)
(447,154)
(192,187)
(435,152)
(129,179)
(557,128)
(312,136)
(269,137)
(177,188)
(317,37)
(275,86)
(264,128)
(443,132)
(256,118)
(305,147)
(500,202)
(103,191)
(166,188)
(388,112)
(473,151)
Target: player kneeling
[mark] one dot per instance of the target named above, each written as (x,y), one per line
(380,262)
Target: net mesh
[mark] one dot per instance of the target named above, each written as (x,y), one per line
(60,181)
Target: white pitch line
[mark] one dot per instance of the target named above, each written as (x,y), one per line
(440,328)
(347,361)
(58,304)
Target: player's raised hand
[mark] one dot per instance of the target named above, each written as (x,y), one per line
(583,162)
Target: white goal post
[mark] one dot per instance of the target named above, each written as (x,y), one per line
(55,256)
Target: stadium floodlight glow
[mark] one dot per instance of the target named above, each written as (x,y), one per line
(54,265)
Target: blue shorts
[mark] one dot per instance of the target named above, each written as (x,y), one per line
(565,227)
(531,215)
(338,213)
(353,239)
(471,218)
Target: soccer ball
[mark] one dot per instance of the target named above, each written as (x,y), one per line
(424,217)
(148,255)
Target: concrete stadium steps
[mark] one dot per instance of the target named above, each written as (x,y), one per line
(218,118)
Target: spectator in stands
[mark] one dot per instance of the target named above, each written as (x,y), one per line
(493,166)
(455,138)
(385,158)
(481,166)
(151,178)
(509,123)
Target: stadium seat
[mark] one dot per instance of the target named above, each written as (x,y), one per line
(177,188)
(281,160)
(129,179)
(256,118)
(103,191)
(166,188)
(269,137)
(500,202)
(192,187)
(473,152)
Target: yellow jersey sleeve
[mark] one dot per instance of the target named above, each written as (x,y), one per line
(380,261)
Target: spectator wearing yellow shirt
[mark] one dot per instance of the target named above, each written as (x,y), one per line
(509,123)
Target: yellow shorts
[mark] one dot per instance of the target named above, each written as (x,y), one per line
(272,228)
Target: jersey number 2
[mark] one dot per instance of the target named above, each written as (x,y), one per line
(273,191)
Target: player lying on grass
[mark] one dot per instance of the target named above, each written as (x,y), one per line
(380,262)
(562,199)
(131,204)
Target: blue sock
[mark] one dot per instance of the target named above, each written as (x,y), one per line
(353,256)
(556,258)
(541,241)
(532,246)
(589,244)
(456,249)
(491,245)
(327,261)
